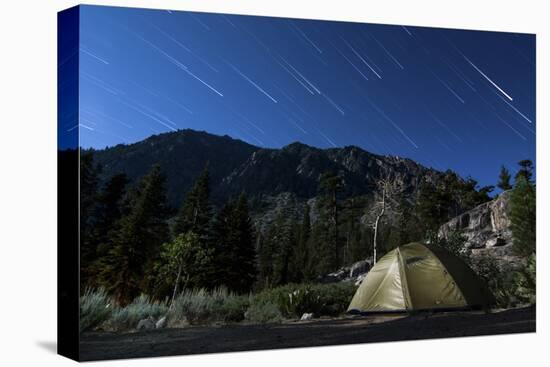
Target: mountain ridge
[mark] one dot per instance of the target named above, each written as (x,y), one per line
(237,166)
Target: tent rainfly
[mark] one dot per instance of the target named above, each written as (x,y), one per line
(419,277)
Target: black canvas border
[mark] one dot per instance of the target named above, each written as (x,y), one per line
(68,157)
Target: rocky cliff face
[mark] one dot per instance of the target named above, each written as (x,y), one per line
(487,229)
(297,168)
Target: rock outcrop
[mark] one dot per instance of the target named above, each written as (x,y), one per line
(353,273)
(487,230)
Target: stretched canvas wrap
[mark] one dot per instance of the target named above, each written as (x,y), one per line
(232,183)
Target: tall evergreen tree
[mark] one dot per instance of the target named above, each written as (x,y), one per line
(525,170)
(221,243)
(244,263)
(283,241)
(266,257)
(523,216)
(234,253)
(407,225)
(321,246)
(136,243)
(504,179)
(431,207)
(108,210)
(89,189)
(89,185)
(195,214)
(301,265)
(330,185)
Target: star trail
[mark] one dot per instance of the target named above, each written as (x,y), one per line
(449,99)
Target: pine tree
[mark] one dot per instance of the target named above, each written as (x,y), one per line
(233,244)
(301,266)
(407,227)
(522,214)
(432,206)
(89,185)
(282,239)
(244,263)
(195,214)
(221,244)
(136,243)
(330,185)
(108,210)
(322,246)
(361,244)
(504,179)
(526,170)
(265,258)
(89,189)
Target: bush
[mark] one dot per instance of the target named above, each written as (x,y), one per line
(293,300)
(124,318)
(95,308)
(233,308)
(199,306)
(263,312)
(455,243)
(335,298)
(192,305)
(511,288)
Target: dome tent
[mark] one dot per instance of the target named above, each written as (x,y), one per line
(419,277)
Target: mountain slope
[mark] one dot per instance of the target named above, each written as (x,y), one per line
(236,166)
(181,155)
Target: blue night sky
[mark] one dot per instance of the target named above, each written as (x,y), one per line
(463,100)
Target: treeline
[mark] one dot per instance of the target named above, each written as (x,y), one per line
(131,243)
(300,248)
(297,249)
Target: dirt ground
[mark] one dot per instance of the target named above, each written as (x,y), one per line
(349,330)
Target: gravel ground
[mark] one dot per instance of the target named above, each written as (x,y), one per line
(349,330)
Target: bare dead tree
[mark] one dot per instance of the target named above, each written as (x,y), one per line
(386,201)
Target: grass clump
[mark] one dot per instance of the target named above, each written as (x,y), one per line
(233,308)
(201,306)
(293,300)
(263,312)
(95,308)
(125,318)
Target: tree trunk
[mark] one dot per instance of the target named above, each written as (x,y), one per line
(176,287)
(335,223)
(376,223)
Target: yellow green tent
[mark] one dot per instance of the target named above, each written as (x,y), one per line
(419,277)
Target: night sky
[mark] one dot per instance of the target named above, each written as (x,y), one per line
(463,100)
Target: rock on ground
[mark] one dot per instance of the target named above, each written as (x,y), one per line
(146,324)
(161,323)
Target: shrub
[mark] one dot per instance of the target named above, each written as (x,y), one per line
(233,308)
(455,243)
(263,312)
(95,308)
(334,298)
(511,288)
(199,306)
(124,318)
(293,300)
(194,305)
